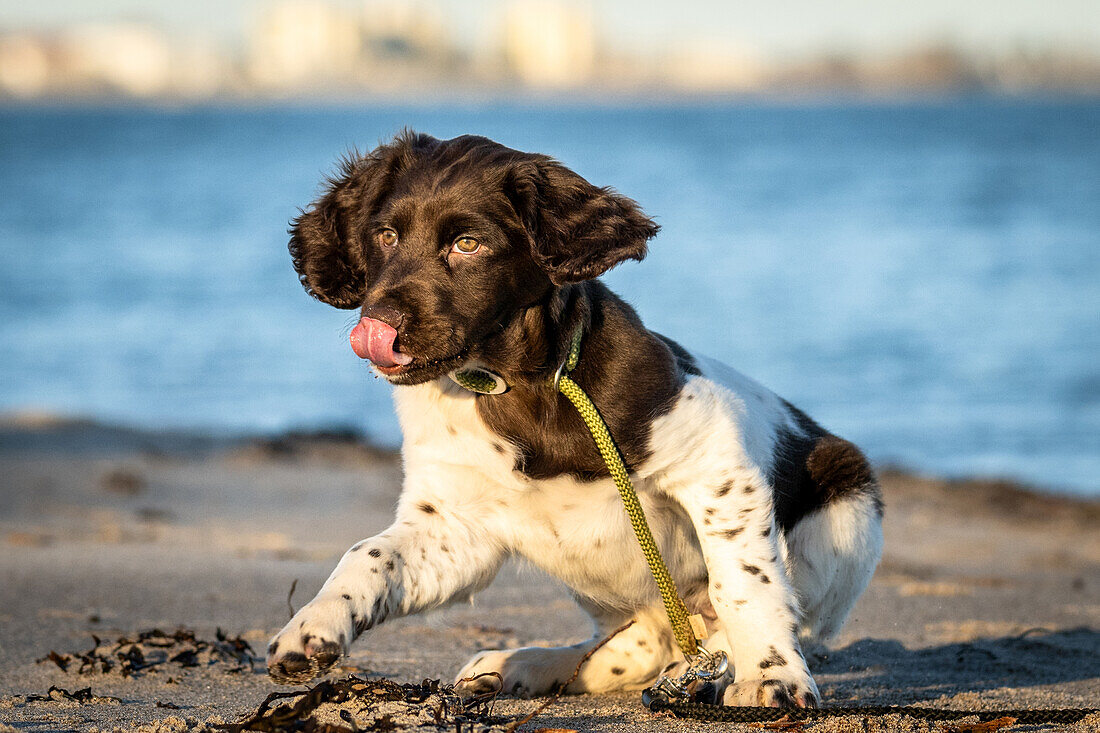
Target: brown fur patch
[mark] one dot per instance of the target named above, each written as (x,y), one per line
(630,373)
(835,463)
(812,468)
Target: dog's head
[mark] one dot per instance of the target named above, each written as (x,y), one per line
(441,242)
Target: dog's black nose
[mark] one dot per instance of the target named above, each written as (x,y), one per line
(390,316)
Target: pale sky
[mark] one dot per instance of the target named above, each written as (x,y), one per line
(767,27)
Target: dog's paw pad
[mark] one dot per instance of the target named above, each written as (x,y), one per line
(323,654)
(310,644)
(290,668)
(293,667)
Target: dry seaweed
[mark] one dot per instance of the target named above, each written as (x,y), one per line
(83,696)
(154,649)
(298,714)
(290,594)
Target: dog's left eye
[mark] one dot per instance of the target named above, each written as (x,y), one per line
(387,237)
(466,245)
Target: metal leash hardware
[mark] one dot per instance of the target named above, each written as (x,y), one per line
(702,667)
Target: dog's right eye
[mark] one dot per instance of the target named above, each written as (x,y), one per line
(387,237)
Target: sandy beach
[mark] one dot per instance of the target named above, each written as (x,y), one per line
(988,594)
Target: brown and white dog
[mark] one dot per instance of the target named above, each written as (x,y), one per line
(464,252)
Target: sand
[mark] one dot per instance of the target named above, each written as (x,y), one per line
(988,594)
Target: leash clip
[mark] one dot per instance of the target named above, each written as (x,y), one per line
(571,358)
(702,667)
(558,374)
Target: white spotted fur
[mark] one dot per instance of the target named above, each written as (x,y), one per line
(722,429)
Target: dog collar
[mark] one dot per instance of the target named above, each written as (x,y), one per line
(480,380)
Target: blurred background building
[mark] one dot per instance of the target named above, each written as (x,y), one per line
(354,48)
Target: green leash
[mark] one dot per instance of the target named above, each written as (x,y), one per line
(483,381)
(674,606)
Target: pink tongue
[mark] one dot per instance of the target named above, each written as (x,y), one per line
(372,339)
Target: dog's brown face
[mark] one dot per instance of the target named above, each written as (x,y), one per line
(441,243)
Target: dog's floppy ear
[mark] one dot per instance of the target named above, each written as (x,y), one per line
(322,245)
(578,230)
(325,240)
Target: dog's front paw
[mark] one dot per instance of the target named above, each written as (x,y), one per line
(774,692)
(313,641)
(528,672)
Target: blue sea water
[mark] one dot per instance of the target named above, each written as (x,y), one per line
(922,277)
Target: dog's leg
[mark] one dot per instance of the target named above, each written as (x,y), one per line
(430,556)
(629,661)
(750,592)
(831,556)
